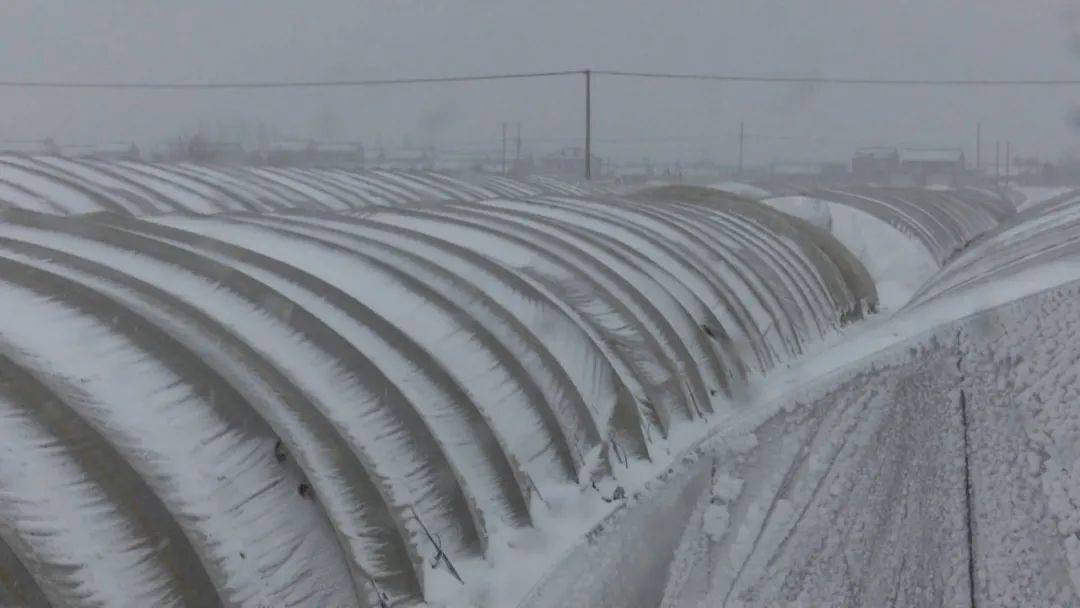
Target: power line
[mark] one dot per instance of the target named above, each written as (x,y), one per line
(727,136)
(840,81)
(307,84)
(712,137)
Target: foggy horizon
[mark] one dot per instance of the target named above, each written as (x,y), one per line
(202,42)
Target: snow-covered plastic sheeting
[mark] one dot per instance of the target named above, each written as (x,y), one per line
(318,408)
(533,185)
(848,275)
(1040,245)
(943,221)
(898,264)
(743,189)
(72,186)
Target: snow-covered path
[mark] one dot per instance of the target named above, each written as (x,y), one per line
(838,495)
(856,493)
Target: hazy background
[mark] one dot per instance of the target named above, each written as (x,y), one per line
(209,41)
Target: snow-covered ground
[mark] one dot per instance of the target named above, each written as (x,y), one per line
(1037,195)
(859,491)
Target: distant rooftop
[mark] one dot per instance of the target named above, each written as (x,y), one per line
(289,146)
(950,155)
(876,152)
(797,168)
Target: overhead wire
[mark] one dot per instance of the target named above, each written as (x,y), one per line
(745,78)
(842,81)
(307,84)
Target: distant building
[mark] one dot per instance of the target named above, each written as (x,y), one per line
(796,170)
(287,153)
(632,179)
(877,164)
(48,147)
(199,149)
(338,155)
(325,155)
(460,161)
(944,167)
(792,174)
(411,159)
(568,162)
(635,174)
(221,152)
(835,172)
(116,151)
(704,172)
(40,147)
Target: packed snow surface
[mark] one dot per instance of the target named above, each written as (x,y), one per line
(970,432)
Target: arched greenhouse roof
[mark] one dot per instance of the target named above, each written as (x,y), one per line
(944,221)
(1029,242)
(304,408)
(71,186)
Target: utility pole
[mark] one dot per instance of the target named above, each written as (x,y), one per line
(1008,160)
(997,163)
(517,145)
(588,125)
(978,146)
(742,139)
(504,147)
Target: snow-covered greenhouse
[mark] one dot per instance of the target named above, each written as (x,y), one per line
(290,387)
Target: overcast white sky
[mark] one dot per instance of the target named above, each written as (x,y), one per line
(203,40)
